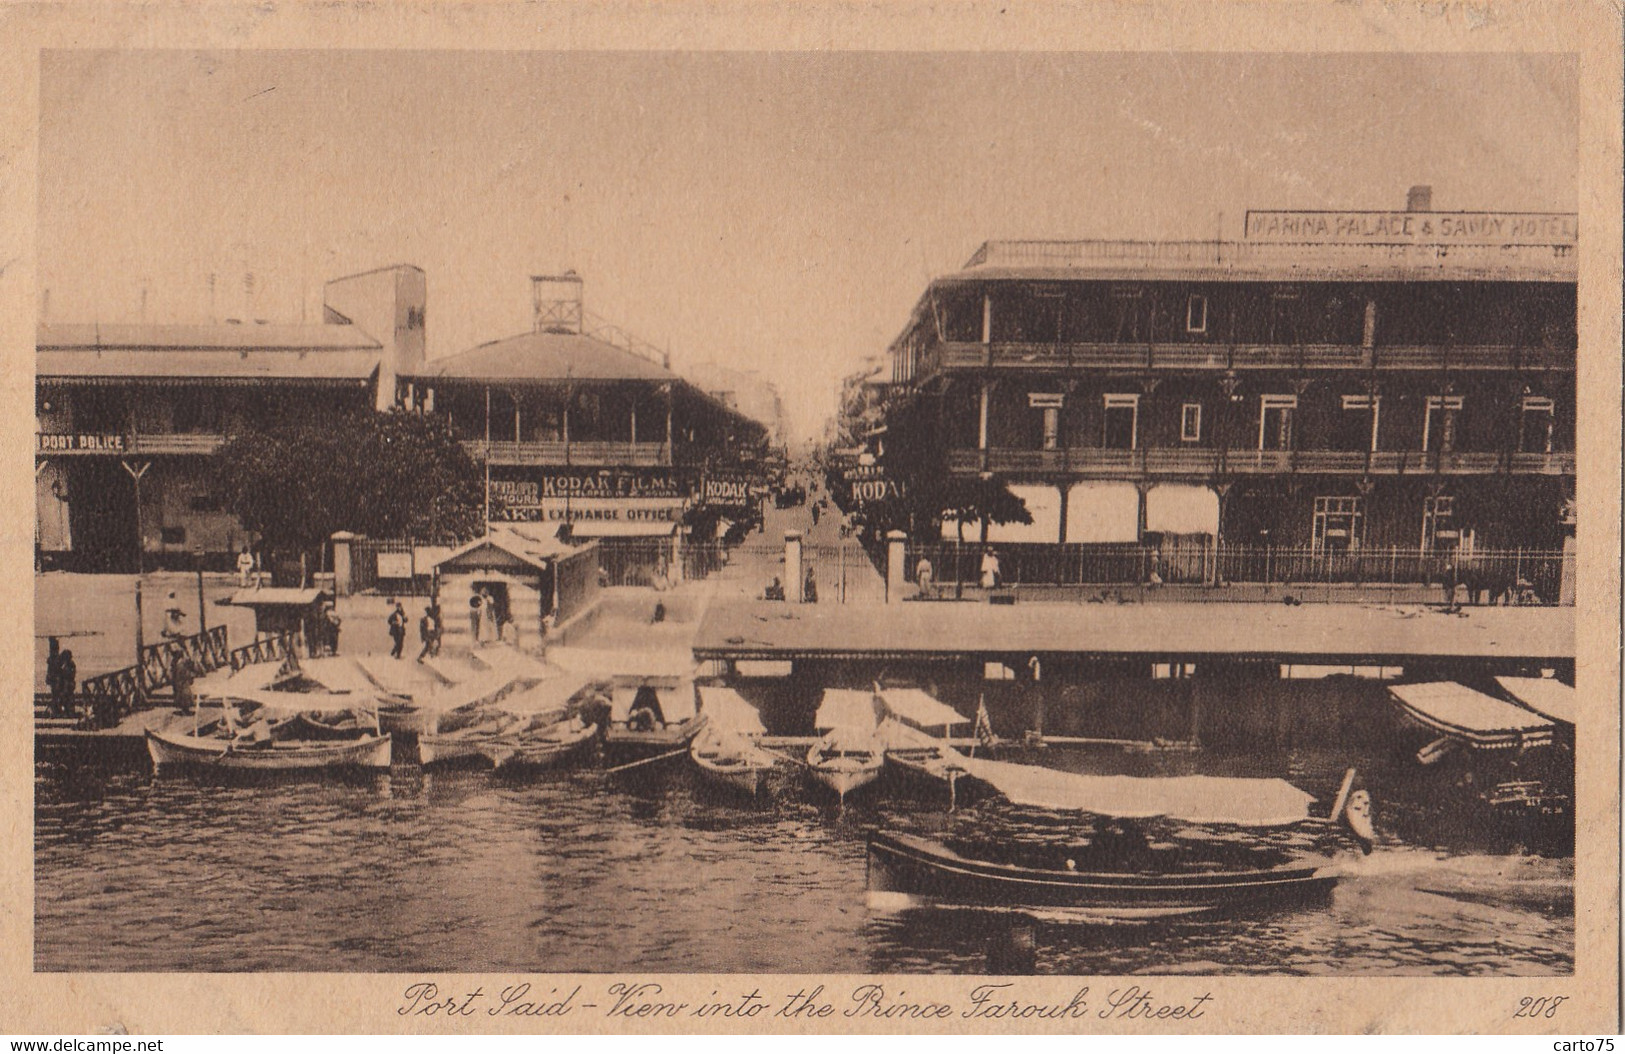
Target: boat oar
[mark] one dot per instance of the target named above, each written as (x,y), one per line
(646,761)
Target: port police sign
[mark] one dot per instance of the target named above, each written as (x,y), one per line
(78,443)
(1412,228)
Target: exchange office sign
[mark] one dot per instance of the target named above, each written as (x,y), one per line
(79,443)
(578,496)
(1419,228)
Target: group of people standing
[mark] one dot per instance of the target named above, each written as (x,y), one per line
(430,630)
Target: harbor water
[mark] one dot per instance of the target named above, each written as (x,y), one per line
(578,871)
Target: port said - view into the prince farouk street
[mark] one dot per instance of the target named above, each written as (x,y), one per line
(1197,605)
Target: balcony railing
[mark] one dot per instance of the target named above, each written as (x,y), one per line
(594,452)
(1177,461)
(1020,355)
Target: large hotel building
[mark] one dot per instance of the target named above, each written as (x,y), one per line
(1334,384)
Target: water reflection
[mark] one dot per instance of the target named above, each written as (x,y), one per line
(578,871)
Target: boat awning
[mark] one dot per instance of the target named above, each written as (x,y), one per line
(1479,719)
(1545,696)
(225,682)
(607,663)
(726,709)
(338,674)
(846,708)
(548,696)
(290,703)
(917,708)
(1197,799)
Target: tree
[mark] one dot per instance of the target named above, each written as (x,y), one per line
(387,475)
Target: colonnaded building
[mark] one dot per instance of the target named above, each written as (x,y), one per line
(590,428)
(1336,386)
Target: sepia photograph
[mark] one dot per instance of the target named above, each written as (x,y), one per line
(763,512)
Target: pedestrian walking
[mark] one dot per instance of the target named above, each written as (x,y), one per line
(174,618)
(182,675)
(245,568)
(330,625)
(922,574)
(397,630)
(990,569)
(809,588)
(426,633)
(476,606)
(438,627)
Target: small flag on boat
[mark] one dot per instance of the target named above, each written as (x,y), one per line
(984,724)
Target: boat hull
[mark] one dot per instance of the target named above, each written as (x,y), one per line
(173,751)
(519,756)
(905,870)
(845,775)
(929,774)
(744,778)
(408,720)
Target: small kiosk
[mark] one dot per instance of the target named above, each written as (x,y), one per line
(513,584)
(278,610)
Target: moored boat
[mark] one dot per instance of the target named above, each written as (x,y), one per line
(1116,848)
(846,759)
(910,871)
(849,756)
(549,747)
(178,750)
(727,752)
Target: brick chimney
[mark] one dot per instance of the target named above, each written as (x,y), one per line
(1420,199)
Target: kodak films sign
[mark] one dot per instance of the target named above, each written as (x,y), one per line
(1413,228)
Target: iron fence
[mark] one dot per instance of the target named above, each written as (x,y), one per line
(1505,576)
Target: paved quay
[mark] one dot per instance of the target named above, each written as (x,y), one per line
(1333,634)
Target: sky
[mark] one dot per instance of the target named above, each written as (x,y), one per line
(771,211)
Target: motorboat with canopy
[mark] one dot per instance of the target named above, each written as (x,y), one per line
(727,751)
(1550,698)
(1086,852)
(1518,783)
(1466,716)
(648,710)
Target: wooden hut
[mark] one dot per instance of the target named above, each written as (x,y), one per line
(519,580)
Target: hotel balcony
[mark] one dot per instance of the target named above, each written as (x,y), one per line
(1094,463)
(592,452)
(1018,356)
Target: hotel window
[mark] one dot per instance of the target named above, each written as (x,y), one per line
(1050,404)
(1439,423)
(1368,405)
(1190,423)
(1338,524)
(1439,531)
(1196,314)
(1121,427)
(1275,421)
(1535,428)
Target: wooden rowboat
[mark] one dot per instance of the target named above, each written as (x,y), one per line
(845,762)
(171,750)
(909,871)
(731,761)
(556,746)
